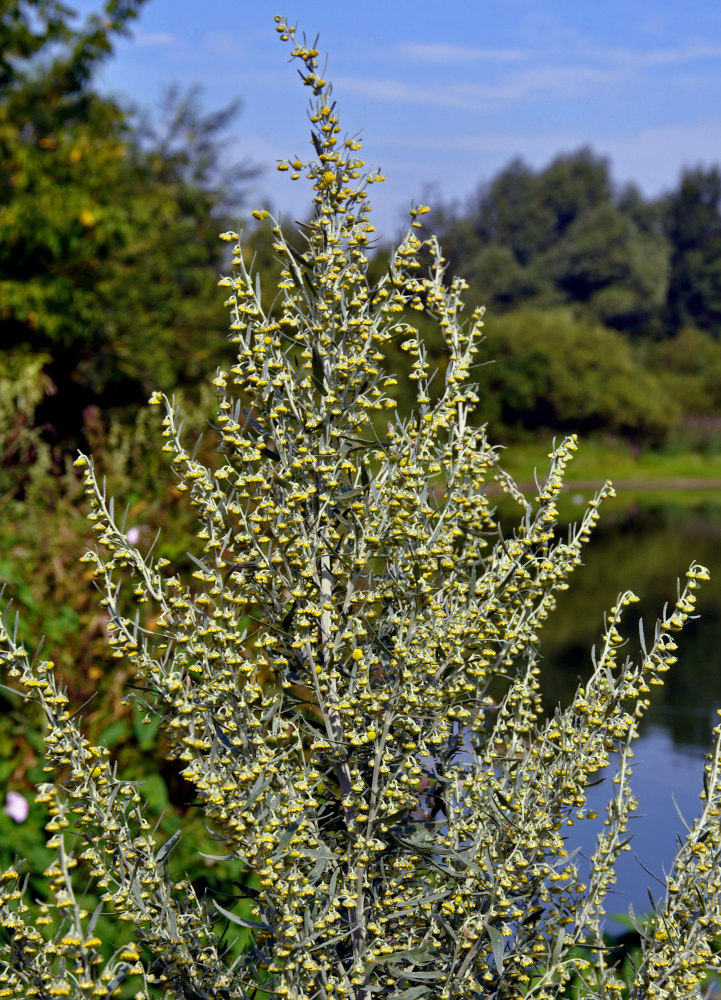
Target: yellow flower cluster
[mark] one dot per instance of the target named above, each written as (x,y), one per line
(351,680)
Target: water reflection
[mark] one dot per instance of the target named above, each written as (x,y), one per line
(646,550)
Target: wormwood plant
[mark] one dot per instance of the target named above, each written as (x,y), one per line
(352,685)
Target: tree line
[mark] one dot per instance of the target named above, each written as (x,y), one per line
(567,235)
(604,306)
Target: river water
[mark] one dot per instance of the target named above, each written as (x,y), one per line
(646,549)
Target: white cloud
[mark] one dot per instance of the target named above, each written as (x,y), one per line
(442,52)
(220,43)
(580,68)
(569,81)
(392,91)
(639,59)
(578,48)
(652,157)
(155,39)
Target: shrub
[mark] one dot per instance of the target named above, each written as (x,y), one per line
(351,683)
(688,367)
(554,369)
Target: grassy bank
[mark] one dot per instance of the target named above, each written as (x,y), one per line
(641,477)
(596,461)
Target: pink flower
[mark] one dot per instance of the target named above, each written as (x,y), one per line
(133,535)
(16,806)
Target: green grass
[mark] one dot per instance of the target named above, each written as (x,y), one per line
(642,478)
(595,461)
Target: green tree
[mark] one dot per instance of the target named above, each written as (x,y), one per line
(526,211)
(694,229)
(529,211)
(688,366)
(88,189)
(562,234)
(607,263)
(554,369)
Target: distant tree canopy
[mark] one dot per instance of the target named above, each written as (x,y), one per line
(693,222)
(566,235)
(108,222)
(549,368)
(108,249)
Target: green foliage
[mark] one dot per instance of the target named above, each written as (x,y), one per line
(694,227)
(23,385)
(562,235)
(647,268)
(44,530)
(88,191)
(350,681)
(31,33)
(42,535)
(688,367)
(529,212)
(608,264)
(552,369)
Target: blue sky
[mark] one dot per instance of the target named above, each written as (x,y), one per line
(447,92)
